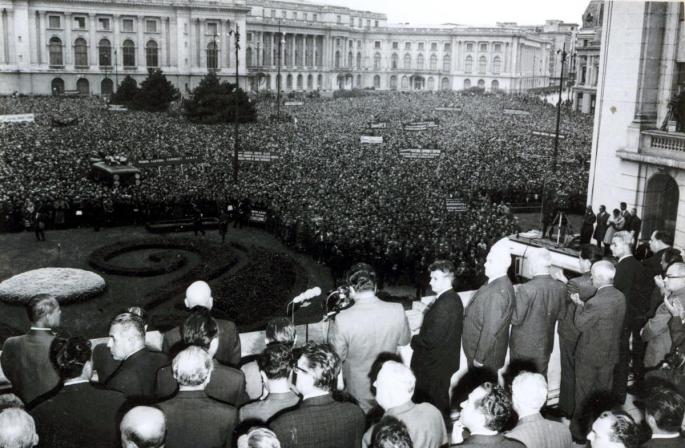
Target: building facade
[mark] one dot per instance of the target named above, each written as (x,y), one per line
(586,58)
(635,158)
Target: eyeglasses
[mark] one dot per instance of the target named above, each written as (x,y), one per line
(672,276)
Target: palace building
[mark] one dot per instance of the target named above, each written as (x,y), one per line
(89,46)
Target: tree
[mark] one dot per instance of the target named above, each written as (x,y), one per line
(156,93)
(127,91)
(214,102)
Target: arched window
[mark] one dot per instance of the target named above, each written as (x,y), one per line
(289,82)
(55,50)
(431,83)
(319,81)
(393,82)
(350,60)
(445,84)
(212,56)
(482,63)
(80,53)
(300,82)
(105,53)
(407,61)
(496,65)
(57,86)
(481,83)
(419,61)
(394,61)
(468,64)
(467,83)
(359,61)
(151,54)
(446,63)
(494,85)
(376,82)
(434,62)
(129,53)
(106,87)
(359,81)
(377,61)
(405,83)
(337,59)
(661,204)
(248,57)
(310,82)
(83,86)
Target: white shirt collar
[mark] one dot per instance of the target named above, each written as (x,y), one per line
(624,257)
(666,436)
(75,381)
(41,328)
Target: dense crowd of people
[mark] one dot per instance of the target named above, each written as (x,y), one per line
(326,193)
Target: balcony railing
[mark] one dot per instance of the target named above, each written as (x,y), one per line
(663,141)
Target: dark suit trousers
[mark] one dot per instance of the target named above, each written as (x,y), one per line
(589,380)
(567,391)
(625,356)
(434,389)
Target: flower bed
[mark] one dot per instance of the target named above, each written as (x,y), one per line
(66,284)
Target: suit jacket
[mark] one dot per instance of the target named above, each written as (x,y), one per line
(137,375)
(657,336)
(195,420)
(600,323)
(320,422)
(633,281)
(581,285)
(486,323)
(497,440)
(634,225)
(229,343)
(103,362)
(539,303)
(26,363)
(80,415)
(602,225)
(359,334)
(677,442)
(534,430)
(226,384)
(437,347)
(676,326)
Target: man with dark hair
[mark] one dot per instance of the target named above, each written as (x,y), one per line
(319,421)
(227,383)
(634,225)
(136,375)
(143,427)
(485,414)
(664,410)
(602,225)
(25,359)
(614,429)
(437,347)
(359,334)
(275,367)
(193,418)
(659,243)
(79,407)
(391,433)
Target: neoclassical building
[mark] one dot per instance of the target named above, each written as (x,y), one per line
(89,46)
(586,58)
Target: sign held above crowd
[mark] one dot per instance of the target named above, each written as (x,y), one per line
(417,153)
(18,118)
(255,156)
(455,205)
(547,134)
(516,112)
(370,140)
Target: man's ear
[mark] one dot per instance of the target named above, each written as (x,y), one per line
(185,302)
(36,439)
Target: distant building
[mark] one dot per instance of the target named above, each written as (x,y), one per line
(584,92)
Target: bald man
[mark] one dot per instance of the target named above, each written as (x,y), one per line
(600,323)
(143,426)
(228,353)
(17,429)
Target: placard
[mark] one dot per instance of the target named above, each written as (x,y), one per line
(370,140)
(17,118)
(117,108)
(147,163)
(256,156)
(455,205)
(516,112)
(448,109)
(293,103)
(258,216)
(379,125)
(547,134)
(412,153)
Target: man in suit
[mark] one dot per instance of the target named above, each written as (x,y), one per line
(80,413)
(659,241)
(634,225)
(588,225)
(600,322)
(529,395)
(437,347)
(391,432)
(614,429)
(488,315)
(17,429)
(143,427)
(228,352)
(394,389)
(674,284)
(227,384)
(360,333)
(192,417)
(633,281)
(602,225)
(539,304)
(26,359)
(485,414)
(319,421)
(664,409)
(275,368)
(137,374)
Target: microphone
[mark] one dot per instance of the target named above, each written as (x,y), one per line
(307,295)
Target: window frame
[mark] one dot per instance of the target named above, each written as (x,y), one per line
(59,22)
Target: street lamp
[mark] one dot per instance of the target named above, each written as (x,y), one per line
(281,42)
(236,34)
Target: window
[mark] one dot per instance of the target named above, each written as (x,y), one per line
(407,61)
(377,61)
(393,82)
(105,53)
(498,47)
(129,53)
(339,19)
(351,21)
(376,24)
(151,54)
(434,46)
(337,42)
(483,47)
(467,83)
(249,37)
(306,17)
(359,45)
(294,14)
(448,47)
(284,14)
(482,63)
(212,28)
(150,26)
(368,23)
(127,25)
(104,24)
(273,13)
(337,59)
(376,82)
(395,45)
(54,22)
(469,47)
(55,51)
(496,65)
(80,53)
(359,60)
(212,56)
(394,61)
(420,46)
(446,63)
(419,61)
(434,62)
(315,17)
(377,45)
(407,45)
(468,64)
(79,23)
(350,59)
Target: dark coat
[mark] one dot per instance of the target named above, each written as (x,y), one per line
(602,226)
(600,323)
(229,343)
(486,323)
(320,422)
(80,415)
(678,442)
(437,347)
(26,363)
(497,440)
(136,375)
(195,420)
(226,384)
(103,362)
(581,285)
(633,281)
(540,302)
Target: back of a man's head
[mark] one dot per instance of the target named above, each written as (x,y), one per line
(17,429)
(324,364)
(276,361)
(391,432)
(192,367)
(280,330)
(664,409)
(41,310)
(603,273)
(10,400)
(200,328)
(394,385)
(362,277)
(258,437)
(495,406)
(143,427)
(621,429)
(540,261)
(70,355)
(528,393)
(199,294)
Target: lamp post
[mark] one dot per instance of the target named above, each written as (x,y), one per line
(116,73)
(236,34)
(281,41)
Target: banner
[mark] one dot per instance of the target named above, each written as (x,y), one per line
(420,125)
(258,216)
(455,205)
(448,109)
(255,156)
(116,108)
(548,134)
(379,125)
(17,118)
(148,163)
(294,103)
(420,153)
(370,140)
(516,112)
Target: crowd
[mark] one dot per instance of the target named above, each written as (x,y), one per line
(356,388)
(325,193)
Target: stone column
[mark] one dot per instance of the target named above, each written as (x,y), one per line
(140,44)
(42,40)
(203,43)
(68,44)
(116,44)
(93,60)
(650,58)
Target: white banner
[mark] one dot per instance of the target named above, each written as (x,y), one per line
(117,108)
(379,125)
(17,118)
(420,153)
(548,134)
(294,103)
(254,156)
(370,140)
(516,112)
(448,109)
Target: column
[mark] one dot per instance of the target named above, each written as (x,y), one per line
(203,42)
(164,43)
(93,59)
(3,40)
(68,44)
(42,39)
(116,44)
(259,47)
(140,44)
(230,38)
